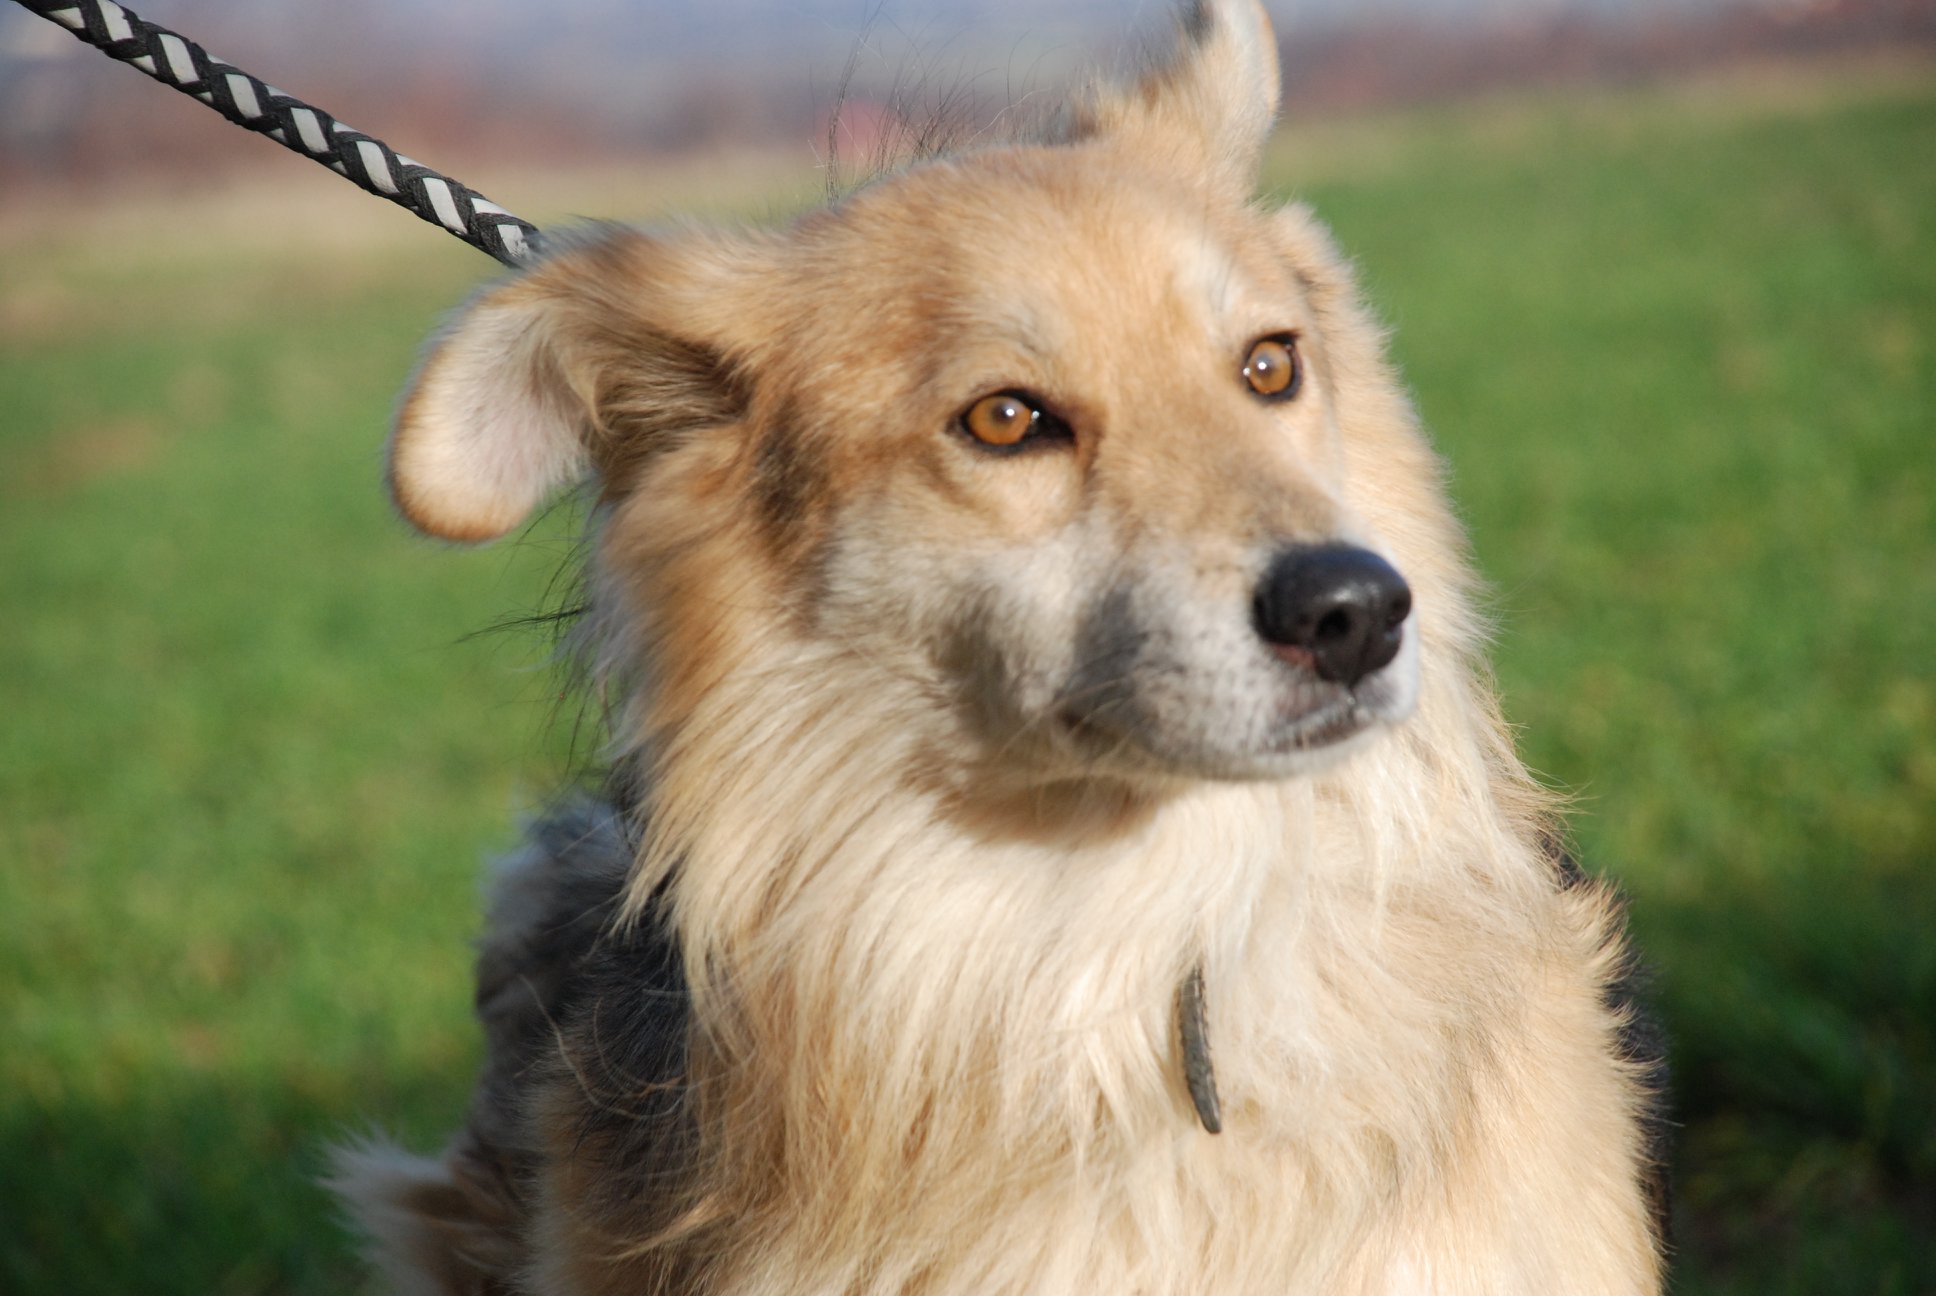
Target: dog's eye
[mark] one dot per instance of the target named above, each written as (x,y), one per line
(1000,420)
(1009,421)
(1273,369)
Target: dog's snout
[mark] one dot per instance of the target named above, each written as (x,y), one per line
(1341,606)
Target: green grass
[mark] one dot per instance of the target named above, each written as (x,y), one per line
(1679,354)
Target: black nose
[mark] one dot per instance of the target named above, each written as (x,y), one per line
(1342,605)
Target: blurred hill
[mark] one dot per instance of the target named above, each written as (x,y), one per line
(508,80)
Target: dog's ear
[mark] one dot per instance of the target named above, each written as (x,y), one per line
(617,340)
(1211,104)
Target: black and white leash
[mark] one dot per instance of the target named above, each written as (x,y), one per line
(176,61)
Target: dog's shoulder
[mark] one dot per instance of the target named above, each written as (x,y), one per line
(1642,1043)
(550,903)
(584,1009)
(564,977)
(574,1000)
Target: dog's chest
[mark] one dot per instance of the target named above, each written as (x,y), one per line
(1337,1071)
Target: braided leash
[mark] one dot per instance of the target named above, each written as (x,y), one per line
(179,62)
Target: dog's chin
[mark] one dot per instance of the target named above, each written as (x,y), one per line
(1317,744)
(1300,744)
(1312,744)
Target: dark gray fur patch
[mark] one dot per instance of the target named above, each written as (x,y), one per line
(1109,642)
(1198,21)
(569,996)
(786,475)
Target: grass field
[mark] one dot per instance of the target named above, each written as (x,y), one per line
(1678,347)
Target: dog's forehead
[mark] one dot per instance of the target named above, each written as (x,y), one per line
(1052,245)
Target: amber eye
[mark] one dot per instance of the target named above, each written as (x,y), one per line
(1001,420)
(1273,368)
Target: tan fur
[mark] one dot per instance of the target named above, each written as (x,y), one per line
(932,935)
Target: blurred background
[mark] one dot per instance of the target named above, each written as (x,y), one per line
(1663,276)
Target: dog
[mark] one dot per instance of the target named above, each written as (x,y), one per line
(1061,835)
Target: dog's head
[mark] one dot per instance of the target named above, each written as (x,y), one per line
(1083,454)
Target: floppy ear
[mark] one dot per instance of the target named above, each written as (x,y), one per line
(614,339)
(1211,104)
